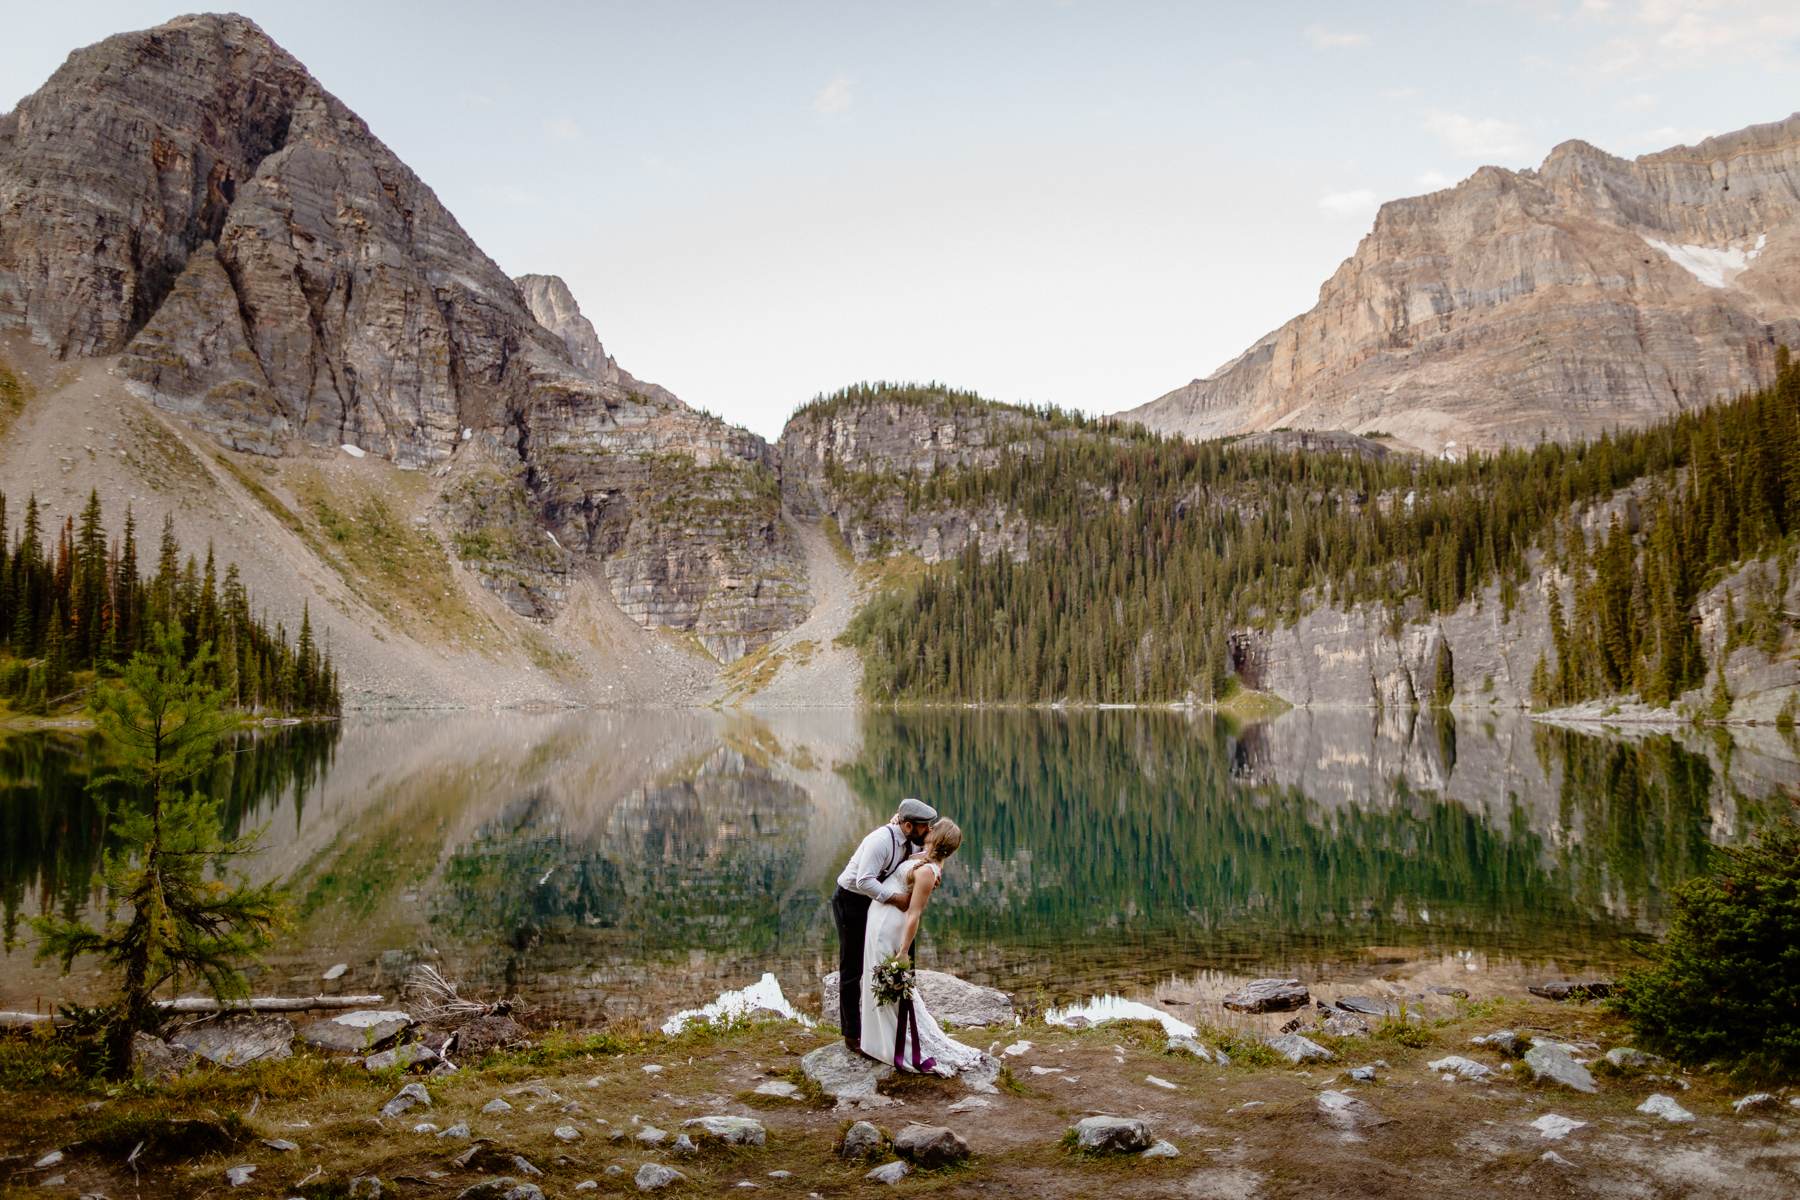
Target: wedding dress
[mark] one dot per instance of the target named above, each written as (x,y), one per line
(881,1022)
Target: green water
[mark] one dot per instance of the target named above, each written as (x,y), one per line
(625,864)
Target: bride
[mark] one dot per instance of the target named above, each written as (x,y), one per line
(921,1045)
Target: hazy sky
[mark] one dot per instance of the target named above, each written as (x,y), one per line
(1082,202)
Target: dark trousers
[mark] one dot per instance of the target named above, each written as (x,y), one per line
(850,913)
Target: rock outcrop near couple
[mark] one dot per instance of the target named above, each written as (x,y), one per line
(190,199)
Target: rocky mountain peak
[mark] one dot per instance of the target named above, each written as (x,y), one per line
(1590,293)
(554,306)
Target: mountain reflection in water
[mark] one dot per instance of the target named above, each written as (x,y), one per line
(632,863)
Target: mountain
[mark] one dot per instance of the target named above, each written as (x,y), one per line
(189,207)
(1592,293)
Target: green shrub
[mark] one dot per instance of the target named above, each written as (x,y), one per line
(1724,984)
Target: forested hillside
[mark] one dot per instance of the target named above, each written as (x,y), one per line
(1144,553)
(74,606)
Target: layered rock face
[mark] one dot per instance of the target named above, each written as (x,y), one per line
(190,198)
(847,460)
(1591,293)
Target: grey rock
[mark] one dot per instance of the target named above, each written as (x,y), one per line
(405,1099)
(930,1145)
(567,1133)
(155,1061)
(650,1135)
(614,1169)
(1624,1058)
(237,1039)
(1112,1135)
(654,1176)
(1368,1006)
(781,1089)
(1161,1149)
(1455,993)
(684,1145)
(1555,1127)
(413,1056)
(1363,1074)
(240,1175)
(1347,1114)
(849,1077)
(356,1032)
(734,1131)
(503,1188)
(524,1166)
(1755,1102)
(1297,1048)
(456,1131)
(892,1172)
(366,1187)
(280,1145)
(588,1185)
(1573,989)
(1466,1068)
(952,1001)
(862,1140)
(425,1127)
(1549,1062)
(53,1158)
(1178,1044)
(335,971)
(1659,1105)
(495,1107)
(1503,1041)
(1269,995)
(1343,1024)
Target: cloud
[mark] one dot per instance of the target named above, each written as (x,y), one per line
(835,97)
(1354,203)
(1433,180)
(1636,102)
(562,129)
(1322,38)
(1478,137)
(1399,93)
(1658,36)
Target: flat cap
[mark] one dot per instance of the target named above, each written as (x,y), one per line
(917,810)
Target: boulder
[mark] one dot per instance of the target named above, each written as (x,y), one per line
(862,1140)
(1363,1074)
(1659,1105)
(1343,1024)
(235,1039)
(1269,995)
(654,1176)
(495,1107)
(408,1097)
(848,1077)
(1112,1135)
(155,1061)
(356,1032)
(1573,989)
(1550,1062)
(952,1001)
(1466,1068)
(503,1188)
(732,1131)
(1162,1149)
(892,1172)
(1298,1048)
(1755,1102)
(930,1146)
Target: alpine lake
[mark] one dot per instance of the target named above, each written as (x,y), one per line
(617,866)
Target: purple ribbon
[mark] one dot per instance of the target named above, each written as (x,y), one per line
(905,1018)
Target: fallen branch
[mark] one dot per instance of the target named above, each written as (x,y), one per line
(206,1004)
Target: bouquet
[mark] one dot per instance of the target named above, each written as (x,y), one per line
(893,981)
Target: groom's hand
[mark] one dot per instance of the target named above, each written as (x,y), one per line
(901,901)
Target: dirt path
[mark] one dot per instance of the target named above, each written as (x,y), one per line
(805,667)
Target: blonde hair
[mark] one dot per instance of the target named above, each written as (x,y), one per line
(944,839)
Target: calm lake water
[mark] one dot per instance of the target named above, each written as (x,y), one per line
(626,864)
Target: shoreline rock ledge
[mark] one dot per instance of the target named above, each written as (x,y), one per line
(1269,995)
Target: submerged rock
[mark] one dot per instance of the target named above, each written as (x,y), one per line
(1269,995)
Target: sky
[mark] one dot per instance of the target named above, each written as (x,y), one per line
(1081,202)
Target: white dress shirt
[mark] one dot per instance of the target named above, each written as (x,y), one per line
(882,851)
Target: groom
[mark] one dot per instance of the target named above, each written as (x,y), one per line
(865,880)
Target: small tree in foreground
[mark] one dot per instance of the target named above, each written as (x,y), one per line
(174,910)
(1725,983)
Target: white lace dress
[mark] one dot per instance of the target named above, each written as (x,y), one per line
(880,1022)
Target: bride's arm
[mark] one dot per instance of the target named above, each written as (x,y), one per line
(923,884)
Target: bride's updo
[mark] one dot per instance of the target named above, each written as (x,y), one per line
(943,840)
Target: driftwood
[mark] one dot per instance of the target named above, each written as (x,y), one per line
(206,1004)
